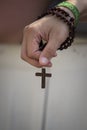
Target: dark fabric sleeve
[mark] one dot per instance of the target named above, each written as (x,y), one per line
(54,3)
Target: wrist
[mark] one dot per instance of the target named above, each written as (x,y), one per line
(80,4)
(82,7)
(65,18)
(71,8)
(68,11)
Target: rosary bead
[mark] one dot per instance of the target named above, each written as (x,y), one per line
(68,20)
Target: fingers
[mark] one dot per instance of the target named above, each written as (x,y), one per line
(37,31)
(49,51)
(24,50)
(30,44)
(56,38)
(29,47)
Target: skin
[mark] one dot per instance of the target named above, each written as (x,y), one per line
(46,28)
(52,30)
(15,16)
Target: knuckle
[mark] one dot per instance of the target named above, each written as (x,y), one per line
(26,29)
(29,29)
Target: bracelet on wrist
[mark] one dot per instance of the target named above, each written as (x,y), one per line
(68,20)
(72,8)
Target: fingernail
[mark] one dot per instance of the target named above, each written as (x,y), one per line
(44,60)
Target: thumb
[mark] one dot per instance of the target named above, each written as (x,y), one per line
(49,52)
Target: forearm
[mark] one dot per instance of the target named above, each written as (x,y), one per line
(82,7)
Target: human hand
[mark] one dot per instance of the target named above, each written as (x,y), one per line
(49,28)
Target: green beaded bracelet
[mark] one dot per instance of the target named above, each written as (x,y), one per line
(72,8)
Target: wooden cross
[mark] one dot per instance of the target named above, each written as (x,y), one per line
(43,75)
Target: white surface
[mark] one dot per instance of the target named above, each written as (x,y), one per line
(21,96)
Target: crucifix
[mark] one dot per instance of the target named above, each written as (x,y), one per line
(43,74)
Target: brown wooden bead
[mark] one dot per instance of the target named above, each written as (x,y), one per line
(67,19)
